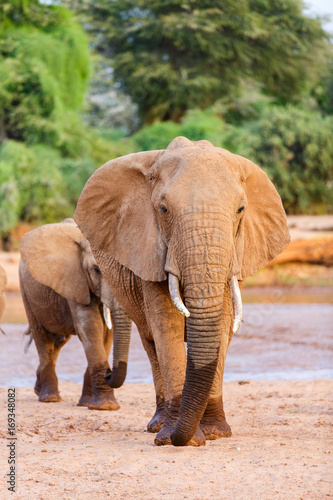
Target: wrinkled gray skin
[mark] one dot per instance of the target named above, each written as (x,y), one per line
(77,309)
(200,217)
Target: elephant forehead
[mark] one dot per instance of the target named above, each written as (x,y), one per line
(203,172)
(208,160)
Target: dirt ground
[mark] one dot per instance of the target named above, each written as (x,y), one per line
(281,447)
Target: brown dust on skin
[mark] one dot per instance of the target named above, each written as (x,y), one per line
(235,224)
(61,287)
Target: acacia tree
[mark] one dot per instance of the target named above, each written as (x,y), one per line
(181,54)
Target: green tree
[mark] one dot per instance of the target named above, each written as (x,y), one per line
(182,54)
(34,173)
(44,70)
(294,146)
(9,199)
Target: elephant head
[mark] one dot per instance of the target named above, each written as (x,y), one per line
(58,256)
(194,214)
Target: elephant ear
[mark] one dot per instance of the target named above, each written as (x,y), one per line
(265,229)
(116,215)
(52,256)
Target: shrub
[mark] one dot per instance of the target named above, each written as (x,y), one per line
(36,173)
(196,125)
(295,148)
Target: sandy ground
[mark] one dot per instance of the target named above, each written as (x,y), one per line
(281,447)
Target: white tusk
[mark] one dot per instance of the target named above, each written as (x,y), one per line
(175,295)
(236,302)
(107,316)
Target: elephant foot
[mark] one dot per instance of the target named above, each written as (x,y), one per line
(106,405)
(84,400)
(46,386)
(102,395)
(216,431)
(48,396)
(37,388)
(213,423)
(157,421)
(163,437)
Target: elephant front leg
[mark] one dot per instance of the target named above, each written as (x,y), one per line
(168,333)
(102,397)
(96,394)
(87,387)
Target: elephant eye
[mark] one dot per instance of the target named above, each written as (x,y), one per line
(163,209)
(97,270)
(240,209)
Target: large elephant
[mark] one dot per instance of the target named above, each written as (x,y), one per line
(64,294)
(3,283)
(183,225)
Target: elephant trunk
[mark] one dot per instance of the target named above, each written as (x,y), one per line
(121,340)
(203,344)
(235,296)
(202,262)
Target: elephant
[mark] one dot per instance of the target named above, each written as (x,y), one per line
(3,283)
(175,233)
(64,294)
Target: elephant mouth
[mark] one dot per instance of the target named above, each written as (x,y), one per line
(235,296)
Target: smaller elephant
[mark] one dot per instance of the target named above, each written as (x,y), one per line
(3,283)
(64,294)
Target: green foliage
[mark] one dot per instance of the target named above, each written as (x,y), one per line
(323,90)
(75,174)
(9,198)
(204,70)
(174,56)
(104,150)
(196,125)
(295,148)
(39,185)
(44,69)
(35,175)
(156,136)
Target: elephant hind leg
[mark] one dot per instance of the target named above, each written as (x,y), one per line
(156,422)
(46,386)
(213,423)
(48,348)
(86,390)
